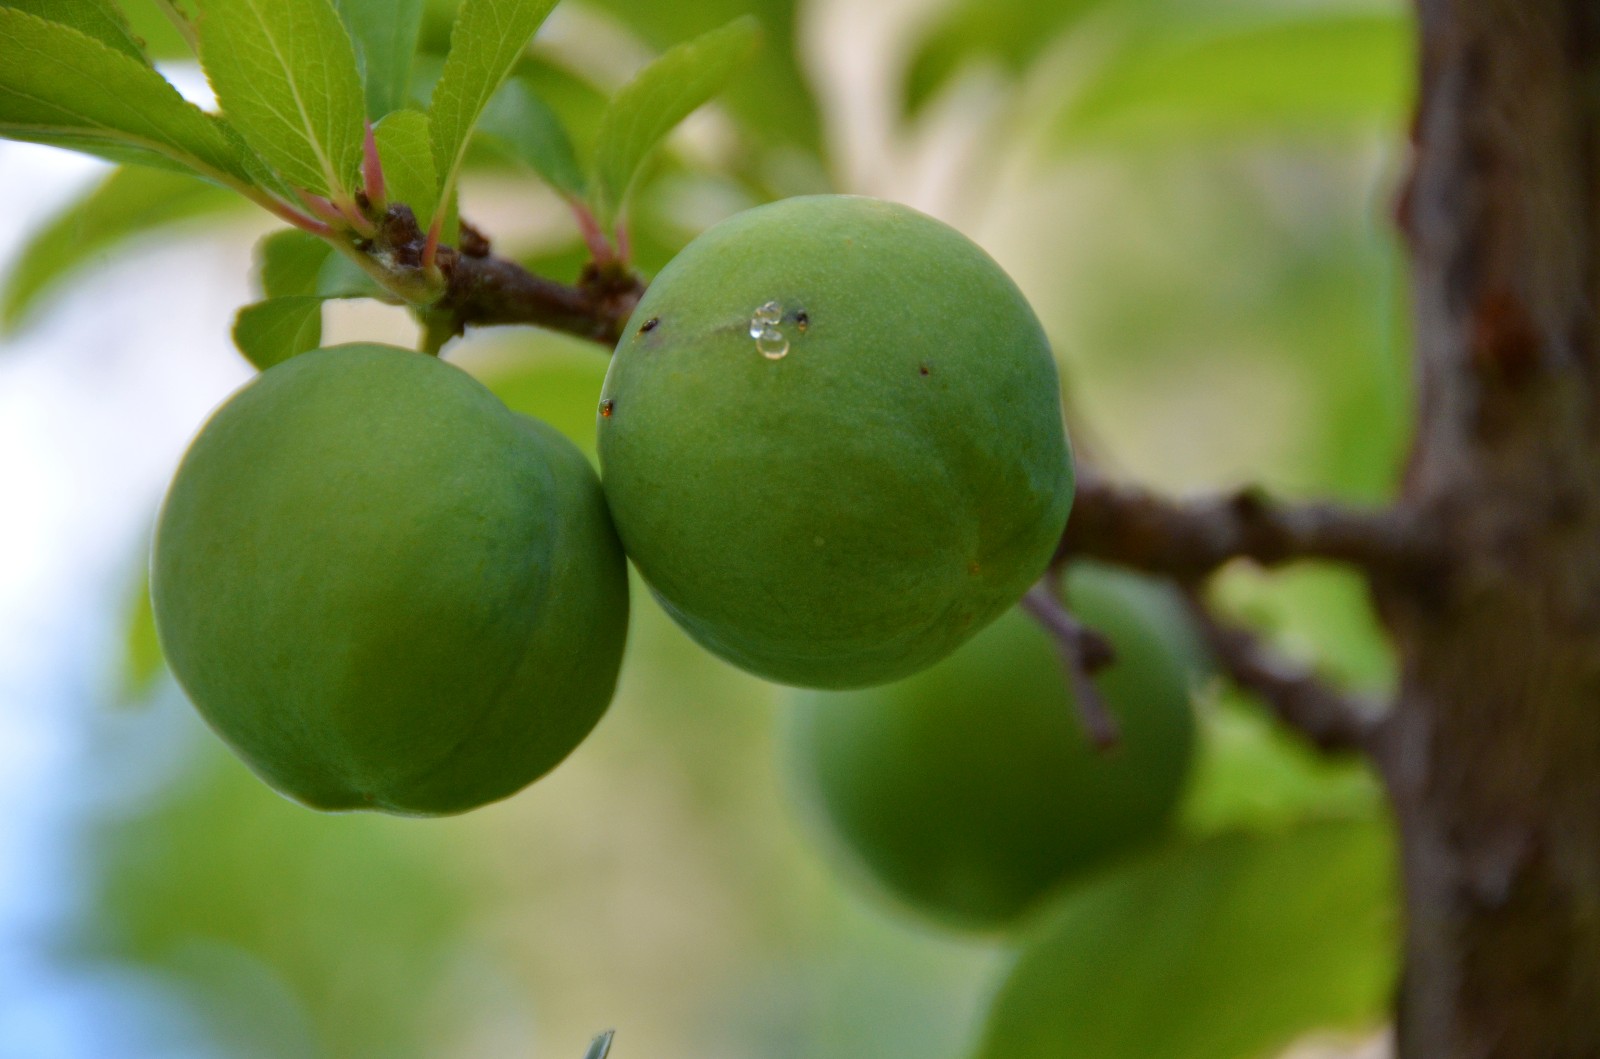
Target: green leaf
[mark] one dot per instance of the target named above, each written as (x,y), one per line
(485,43)
(128,203)
(285,74)
(142,661)
(1251,773)
(1010,32)
(289,261)
(1225,949)
(340,277)
(100,19)
(60,86)
(522,126)
(272,331)
(407,155)
(662,95)
(1295,75)
(156,31)
(776,108)
(385,37)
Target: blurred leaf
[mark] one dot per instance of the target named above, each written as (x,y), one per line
(485,43)
(575,101)
(1252,774)
(554,378)
(270,332)
(385,36)
(1225,949)
(600,1047)
(142,661)
(355,918)
(776,108)
(529,131)
(662,95)
(128,203)
(289,261)
(59,86)
(1312,71)
(285,75)
(1011,32)
(100,19)
(407,155)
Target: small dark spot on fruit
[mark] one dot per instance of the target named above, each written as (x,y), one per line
(973,567)
(922,370)
(650,324)
(605,408)
(802,319)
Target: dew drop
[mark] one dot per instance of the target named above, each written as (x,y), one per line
(772,344)
(765,318)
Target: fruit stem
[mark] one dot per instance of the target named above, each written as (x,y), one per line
(1083,652)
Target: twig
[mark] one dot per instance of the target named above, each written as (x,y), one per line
(1083,652)
(1189,539)
(1332,720)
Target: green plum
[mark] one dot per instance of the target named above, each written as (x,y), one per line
(831,438)
(384,589)
(969,791)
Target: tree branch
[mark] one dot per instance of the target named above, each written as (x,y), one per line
(480,289)
(1189,539)
(1332,720)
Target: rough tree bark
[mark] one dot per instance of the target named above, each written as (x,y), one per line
(1493,750)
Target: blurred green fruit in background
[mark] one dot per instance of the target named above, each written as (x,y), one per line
(384,589)
(832,441)
(970,790)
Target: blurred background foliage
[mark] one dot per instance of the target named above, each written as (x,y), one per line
(1195,196)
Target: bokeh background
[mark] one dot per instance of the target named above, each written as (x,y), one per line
(1195,194)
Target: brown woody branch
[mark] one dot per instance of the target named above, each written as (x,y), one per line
(1189,539)
(1332,720)
(480,289)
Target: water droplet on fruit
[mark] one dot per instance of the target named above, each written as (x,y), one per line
(772,344)
(765,318)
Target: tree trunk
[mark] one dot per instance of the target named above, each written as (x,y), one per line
(1492,756)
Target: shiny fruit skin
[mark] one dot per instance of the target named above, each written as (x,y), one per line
(384,589)
(847,513)
(969,791)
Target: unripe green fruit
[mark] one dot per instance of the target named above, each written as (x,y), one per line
(970,790)
(832,441)
(384,589)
